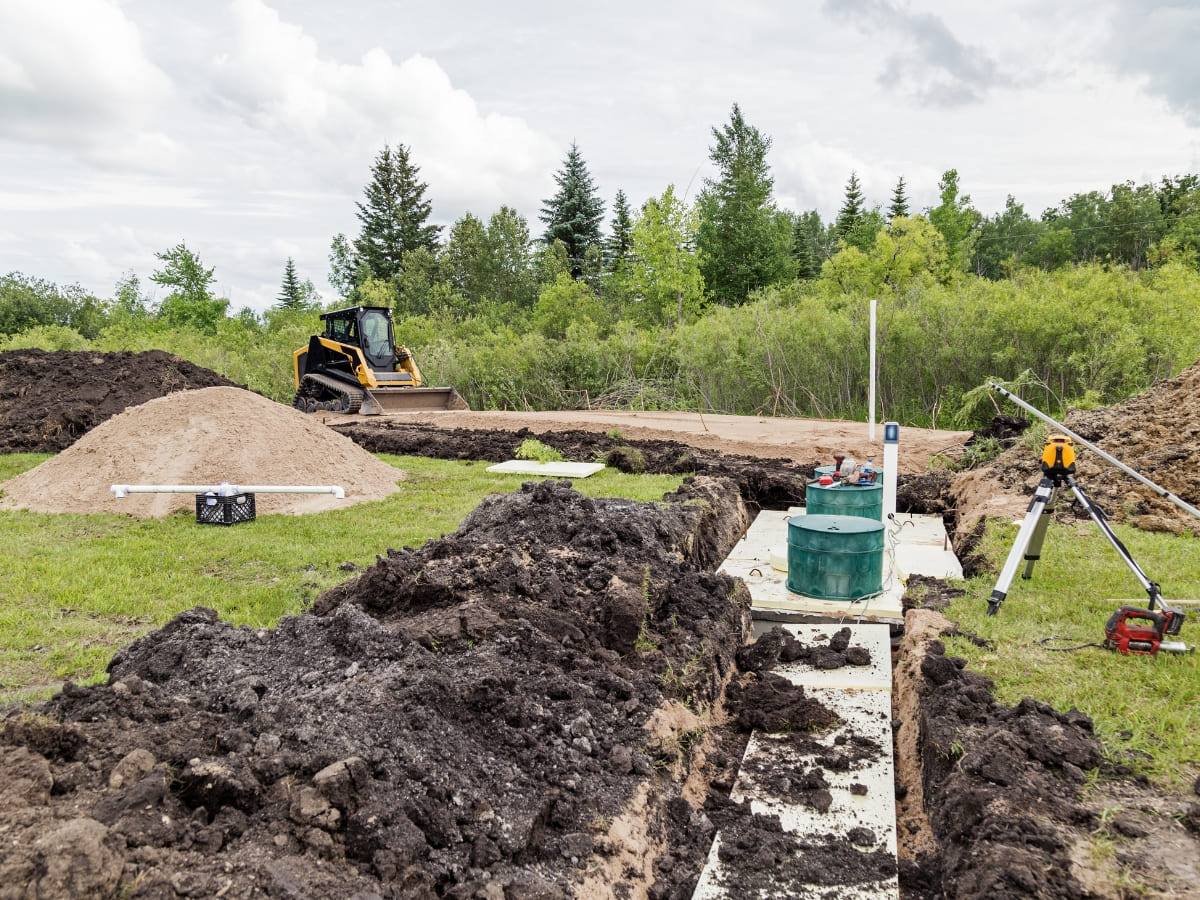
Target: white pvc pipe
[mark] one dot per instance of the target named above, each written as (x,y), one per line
(224,489)
(871,380)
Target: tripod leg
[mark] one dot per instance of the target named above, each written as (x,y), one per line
(1034,552)
(1033,519)
(1149,586)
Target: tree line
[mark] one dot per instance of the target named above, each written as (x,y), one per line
(727,303)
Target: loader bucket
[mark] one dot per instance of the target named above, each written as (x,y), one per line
(416,399)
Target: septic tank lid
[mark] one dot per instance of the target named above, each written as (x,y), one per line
(842,524)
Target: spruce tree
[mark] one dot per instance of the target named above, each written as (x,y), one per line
(899,205)
(574,214)
(850,216)
(805,234)
(621,239)
(744,241)
(290,296)
(394,216)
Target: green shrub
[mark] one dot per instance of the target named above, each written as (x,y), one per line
(533,449)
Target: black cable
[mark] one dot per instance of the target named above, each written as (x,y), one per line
(1044,643)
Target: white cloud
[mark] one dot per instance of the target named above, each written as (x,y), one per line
(274,77)
(1160,41)
(931,64)
(73,73)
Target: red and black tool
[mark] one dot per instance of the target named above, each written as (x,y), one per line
(1122,633)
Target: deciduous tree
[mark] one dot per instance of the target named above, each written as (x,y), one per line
(745,243)
(666,272)
(957,221)
(190,302)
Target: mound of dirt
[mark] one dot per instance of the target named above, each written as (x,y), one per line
(1156,433)
(49,400)
(991,799)
(202,437)
(513,711)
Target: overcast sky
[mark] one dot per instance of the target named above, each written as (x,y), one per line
(247,128)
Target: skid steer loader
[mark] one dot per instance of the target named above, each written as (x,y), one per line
(355,366)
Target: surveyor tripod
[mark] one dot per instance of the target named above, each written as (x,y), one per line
(1058,468)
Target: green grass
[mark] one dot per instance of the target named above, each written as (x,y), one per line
(1146,709)
(74,588)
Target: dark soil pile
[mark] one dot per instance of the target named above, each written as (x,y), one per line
(1002,786)
(48,400)
(1156,433)
(482,717)
(764,483)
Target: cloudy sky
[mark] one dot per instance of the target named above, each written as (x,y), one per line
(247,128)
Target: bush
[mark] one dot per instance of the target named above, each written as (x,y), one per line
(535,450)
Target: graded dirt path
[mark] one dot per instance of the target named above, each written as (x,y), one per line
(799,440)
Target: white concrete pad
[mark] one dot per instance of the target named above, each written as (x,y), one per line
(862,796)
(765,541)
(553,469)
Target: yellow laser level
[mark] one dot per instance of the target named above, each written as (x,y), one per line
(1058,456)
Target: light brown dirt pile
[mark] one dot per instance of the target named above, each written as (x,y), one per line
(1156,433)
(202,437)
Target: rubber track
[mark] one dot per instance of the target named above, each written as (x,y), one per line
(354,395)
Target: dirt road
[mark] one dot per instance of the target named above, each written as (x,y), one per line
(799,440)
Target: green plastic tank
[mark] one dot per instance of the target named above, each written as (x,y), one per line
(864,500)
(835,557)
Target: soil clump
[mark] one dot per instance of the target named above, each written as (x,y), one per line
(48,400)
(202,437)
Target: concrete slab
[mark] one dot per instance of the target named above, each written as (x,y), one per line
(913,545)
(551,469)
(765,542)
(862,796)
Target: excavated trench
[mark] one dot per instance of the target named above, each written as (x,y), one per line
(551,702)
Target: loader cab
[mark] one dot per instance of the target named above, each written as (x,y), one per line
(366,327)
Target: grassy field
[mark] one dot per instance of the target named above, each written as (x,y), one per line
(1146,709)
(74,588)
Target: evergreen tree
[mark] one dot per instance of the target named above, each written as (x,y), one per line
(290,296)
(850,216)
(621,239)
(394,216)
(745,243)
(574,214)
(899,205)
(808,226)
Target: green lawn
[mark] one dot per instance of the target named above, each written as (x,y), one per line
(1146,709)
(74,588)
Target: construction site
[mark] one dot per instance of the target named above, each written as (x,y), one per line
(742,690)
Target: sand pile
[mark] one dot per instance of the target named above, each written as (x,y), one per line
(202,437)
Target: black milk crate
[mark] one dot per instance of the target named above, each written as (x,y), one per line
(214,510)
